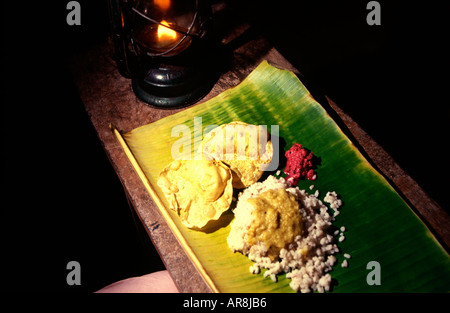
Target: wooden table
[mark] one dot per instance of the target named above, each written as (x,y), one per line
(108,98)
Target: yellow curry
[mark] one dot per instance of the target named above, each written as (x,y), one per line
(277,221)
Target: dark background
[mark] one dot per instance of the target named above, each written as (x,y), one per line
(62,201)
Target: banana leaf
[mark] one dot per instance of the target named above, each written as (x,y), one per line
(380,226)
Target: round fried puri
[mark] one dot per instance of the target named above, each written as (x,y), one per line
(198,190)
(245,148)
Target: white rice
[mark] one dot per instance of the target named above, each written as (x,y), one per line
(332,198)
(309,258)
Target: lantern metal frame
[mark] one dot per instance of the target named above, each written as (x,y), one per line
(163,80)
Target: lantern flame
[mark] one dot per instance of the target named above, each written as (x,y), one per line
(165,33)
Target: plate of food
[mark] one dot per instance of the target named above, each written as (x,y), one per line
(266,193)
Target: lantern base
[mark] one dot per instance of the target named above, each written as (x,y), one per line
(168,86)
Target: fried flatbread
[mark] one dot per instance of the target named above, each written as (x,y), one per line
(245,148)
(198,190)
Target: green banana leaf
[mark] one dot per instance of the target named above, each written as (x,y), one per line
(380,226)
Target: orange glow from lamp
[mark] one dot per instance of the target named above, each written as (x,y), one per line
(165,34)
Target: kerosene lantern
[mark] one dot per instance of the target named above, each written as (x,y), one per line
(164,47)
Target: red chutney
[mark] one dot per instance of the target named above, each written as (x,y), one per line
(299,164)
